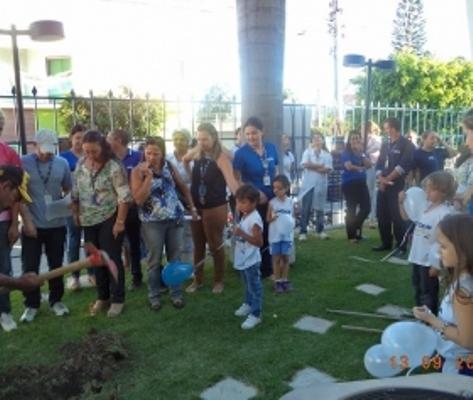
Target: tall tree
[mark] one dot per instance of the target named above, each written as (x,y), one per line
(216,106)
(409,27)
(261,28)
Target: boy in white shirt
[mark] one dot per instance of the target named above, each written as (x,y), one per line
(440,187)
(249,238)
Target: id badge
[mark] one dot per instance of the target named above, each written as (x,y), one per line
(95,199)
(266,180)
(202,193)
(48,198)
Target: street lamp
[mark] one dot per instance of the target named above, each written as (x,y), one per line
(358,61)
(42,31)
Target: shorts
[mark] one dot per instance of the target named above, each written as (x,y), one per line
(283,248)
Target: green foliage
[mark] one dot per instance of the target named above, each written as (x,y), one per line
(409,27)
(147,117)
(423,81)
(216,106)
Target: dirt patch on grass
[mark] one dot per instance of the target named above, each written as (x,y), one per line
(85,368)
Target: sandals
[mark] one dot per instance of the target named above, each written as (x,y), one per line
(98,307)
(115,310)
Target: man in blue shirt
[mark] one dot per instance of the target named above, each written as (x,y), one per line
(118,140)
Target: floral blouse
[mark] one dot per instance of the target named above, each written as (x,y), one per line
(163,204)
(464,174)
(99,193)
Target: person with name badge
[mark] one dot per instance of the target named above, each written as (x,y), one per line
(50,180)
(256,162)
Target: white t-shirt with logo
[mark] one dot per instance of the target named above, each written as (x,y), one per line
(282,228)
(313,179)
(246,254)
(423,238)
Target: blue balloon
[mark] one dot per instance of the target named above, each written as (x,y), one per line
(176,272)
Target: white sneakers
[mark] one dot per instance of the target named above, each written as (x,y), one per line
(302,237)
(7,322)
(243,311)
(250,322)
(29,314)
(59,309)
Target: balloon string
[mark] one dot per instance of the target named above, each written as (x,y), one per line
(410,371)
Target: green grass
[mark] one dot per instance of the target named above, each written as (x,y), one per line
(176,354)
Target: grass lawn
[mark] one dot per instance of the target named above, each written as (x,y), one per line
(176,354)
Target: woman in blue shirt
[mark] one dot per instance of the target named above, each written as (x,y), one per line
(255,163)
(354,187)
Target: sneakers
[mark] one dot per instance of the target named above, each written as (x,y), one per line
(243,311)
(59,309)
(218,288)
(302,237)
(193,287)
(7,322)
(278,287)
(287,286)
(250,322)
(115,310)
(29,314)
(323,236)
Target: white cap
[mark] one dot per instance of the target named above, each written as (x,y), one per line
(46,141)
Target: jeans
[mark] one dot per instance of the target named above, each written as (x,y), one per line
(251,277)
(372,190)
(305,213)
(156,235)
(74,234)
(31,250)
(426,288)
(5,264)
(101,236)
(358,207)
(132,231)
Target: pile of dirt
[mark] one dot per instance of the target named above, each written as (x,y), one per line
(86,366)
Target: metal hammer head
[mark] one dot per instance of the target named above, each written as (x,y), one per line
(99,258)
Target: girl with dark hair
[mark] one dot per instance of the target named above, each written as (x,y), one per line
(212,172)
(455,321)
(354,187)
(256,162)
(100,205)
(154,183)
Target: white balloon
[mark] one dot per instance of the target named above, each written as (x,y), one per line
(410,340)
(415,203)
(434,256)
(378,364)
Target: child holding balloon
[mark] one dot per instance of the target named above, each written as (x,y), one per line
(455,320)
(281,232)
(249,238)
(440,188)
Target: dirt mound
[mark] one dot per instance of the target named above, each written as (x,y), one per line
(86,366)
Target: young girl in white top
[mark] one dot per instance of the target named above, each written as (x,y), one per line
(440,187)
(280,218)
(249,238)
(455,321)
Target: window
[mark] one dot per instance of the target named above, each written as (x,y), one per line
(58,65)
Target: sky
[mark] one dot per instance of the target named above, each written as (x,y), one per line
(182,47)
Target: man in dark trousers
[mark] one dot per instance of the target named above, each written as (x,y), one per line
(395,161)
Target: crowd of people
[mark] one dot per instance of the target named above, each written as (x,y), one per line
(174,206)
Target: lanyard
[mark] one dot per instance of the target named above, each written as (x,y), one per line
(264,161)
(45,179)
(94,176)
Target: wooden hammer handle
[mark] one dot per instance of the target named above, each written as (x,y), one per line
(75,266)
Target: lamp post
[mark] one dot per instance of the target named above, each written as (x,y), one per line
(42,31)
(358,61)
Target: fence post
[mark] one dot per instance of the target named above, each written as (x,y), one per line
(130,112)
(91,107)
(110,109)
(73,106)
(148,123)
(34,91)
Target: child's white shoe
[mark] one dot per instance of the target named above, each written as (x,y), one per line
(7,322)
(250,322)
(243,311)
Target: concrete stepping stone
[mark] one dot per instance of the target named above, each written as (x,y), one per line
(313,324)
(229,389)
(310,376)
(369,288)
(394,310)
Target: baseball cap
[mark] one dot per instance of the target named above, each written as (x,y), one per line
(46,141)
(18,178)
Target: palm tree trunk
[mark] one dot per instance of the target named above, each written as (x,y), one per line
(261,28)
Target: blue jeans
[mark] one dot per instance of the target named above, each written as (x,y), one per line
(74,234)
(5,264)
(253,288)
(156,235)
(305,213)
